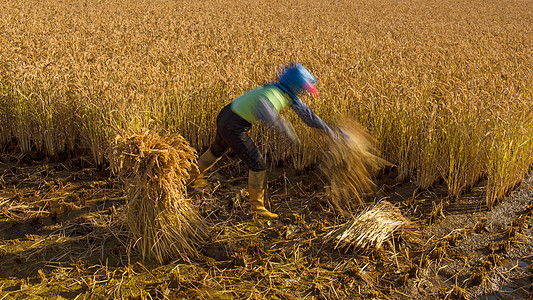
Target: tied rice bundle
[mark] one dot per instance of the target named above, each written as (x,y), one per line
(370,229)
(349,164)
(163,221)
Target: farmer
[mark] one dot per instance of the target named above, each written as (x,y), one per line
(261,105)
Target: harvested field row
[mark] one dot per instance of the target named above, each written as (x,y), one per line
(71,243)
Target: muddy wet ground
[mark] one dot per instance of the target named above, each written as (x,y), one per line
(62,236)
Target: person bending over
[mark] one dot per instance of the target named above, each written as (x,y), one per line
(261,105)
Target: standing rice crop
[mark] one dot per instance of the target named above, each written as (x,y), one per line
(443,86)
(164,223)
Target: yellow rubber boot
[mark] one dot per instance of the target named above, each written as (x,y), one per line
(256,189)
(205,162)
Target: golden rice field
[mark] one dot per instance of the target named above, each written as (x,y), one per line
(444,87)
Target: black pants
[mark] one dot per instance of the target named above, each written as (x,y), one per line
(232,133)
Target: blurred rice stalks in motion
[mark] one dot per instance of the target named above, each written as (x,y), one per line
(350,163)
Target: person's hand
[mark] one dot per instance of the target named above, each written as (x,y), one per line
(340,135)
(343,134)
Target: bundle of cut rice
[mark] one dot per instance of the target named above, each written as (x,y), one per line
(350,164)
(163,221)
(370,229)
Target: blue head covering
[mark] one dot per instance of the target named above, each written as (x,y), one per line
(295,78)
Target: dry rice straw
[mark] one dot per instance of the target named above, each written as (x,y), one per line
(163,221)
(370,229)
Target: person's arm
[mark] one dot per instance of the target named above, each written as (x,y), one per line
(268,115)
(309,117)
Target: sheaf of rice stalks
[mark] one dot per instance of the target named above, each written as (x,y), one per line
(163,221)
(370,229)
(350,164)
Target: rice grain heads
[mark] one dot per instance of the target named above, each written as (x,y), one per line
(164,223)
(350,165)
(370,229)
